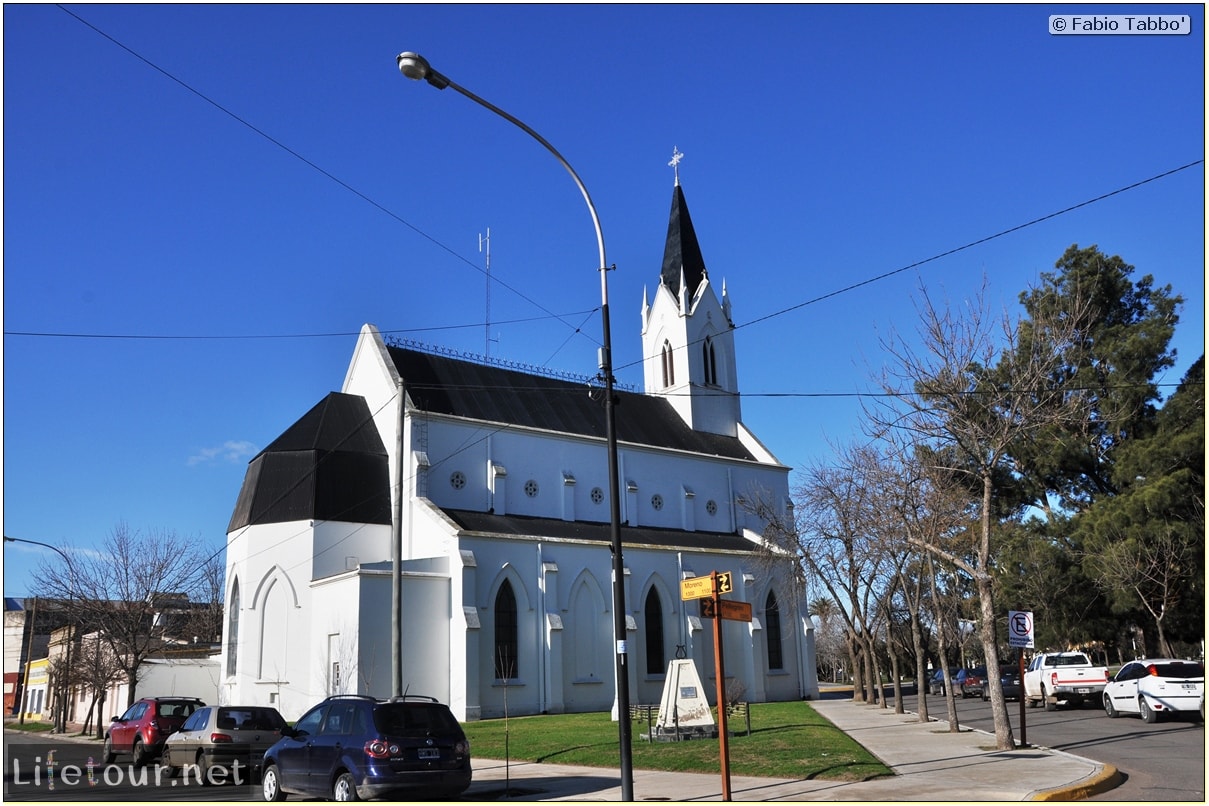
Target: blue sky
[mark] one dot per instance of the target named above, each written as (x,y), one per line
(206,202)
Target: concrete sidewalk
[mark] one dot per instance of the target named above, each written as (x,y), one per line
(929,763)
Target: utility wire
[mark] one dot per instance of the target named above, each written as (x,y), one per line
(310,163)
(574,329)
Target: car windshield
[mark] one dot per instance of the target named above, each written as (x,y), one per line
(1179,669)
(412,718)
(249,719)
(175,709)
(1070,660)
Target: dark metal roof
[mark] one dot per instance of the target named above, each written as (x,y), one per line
(521,526)
(444,385)
(682,250)
(329,465)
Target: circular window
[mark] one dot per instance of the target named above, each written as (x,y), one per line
(457,479)
(597,495)
(657,501)
(711,507)
(531,488)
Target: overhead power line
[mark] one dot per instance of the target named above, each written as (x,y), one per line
(574,330)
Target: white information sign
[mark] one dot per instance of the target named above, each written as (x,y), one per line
(1020,628)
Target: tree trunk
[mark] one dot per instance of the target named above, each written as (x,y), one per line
(921,674)
(894,679)
(990,646)
(858,684)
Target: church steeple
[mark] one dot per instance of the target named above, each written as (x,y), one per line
(682,254)
(687,334)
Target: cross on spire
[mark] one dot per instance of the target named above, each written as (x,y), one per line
(675,163)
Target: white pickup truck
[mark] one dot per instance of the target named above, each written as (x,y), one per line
(1069,677)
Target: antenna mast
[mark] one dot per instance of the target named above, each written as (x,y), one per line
(486,241)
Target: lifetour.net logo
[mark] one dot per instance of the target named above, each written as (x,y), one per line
(38,771)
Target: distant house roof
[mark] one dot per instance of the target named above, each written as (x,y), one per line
(518,526)
(329,465)
(460,388)
(12,604)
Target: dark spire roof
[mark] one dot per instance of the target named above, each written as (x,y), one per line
(330,465)
(682,249)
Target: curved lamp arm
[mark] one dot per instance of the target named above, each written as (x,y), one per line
(415,66)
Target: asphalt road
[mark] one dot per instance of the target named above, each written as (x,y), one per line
(1162,762)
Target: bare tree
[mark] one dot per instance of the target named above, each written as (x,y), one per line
(831,539)
(128,589)
(203,620)
(971,389)
(97,669)
(1154,569)
(830,636)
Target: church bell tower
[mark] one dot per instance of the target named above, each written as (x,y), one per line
(688,337)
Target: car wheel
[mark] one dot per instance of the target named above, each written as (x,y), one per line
(203,769)
(1149,715)
(270,784)
(107,755)
(1050,703)
(141,756)
(344,788)
(1109,709)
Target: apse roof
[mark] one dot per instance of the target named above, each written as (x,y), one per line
(445,385)
(329,465)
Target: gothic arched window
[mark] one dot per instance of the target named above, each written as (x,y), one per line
(653,617)
(709,362)
(772,615)
(669,369)
(233,630)
(505,633)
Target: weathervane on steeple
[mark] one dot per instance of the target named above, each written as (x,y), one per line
(675,163)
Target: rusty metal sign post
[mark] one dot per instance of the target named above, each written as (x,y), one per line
(720,671)
(709,590)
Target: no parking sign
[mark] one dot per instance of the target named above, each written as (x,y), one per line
(1020,628)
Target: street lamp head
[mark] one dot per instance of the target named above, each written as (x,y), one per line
(415,66)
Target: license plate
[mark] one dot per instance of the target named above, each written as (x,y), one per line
(1085,691)
(429,753)
(1188,686)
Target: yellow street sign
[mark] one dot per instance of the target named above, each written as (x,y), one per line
(700,587)
(696,588)
(724,585)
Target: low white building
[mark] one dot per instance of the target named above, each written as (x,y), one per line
(505,528)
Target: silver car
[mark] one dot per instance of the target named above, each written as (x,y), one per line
(1156,686)
(223,743)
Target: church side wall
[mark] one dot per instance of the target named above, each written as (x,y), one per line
(272,564)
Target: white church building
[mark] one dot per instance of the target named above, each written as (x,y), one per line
(506,570)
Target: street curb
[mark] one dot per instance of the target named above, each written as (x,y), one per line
(1107,779)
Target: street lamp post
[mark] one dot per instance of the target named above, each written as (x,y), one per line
(61,716)
(415,66)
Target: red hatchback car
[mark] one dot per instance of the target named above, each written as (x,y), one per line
(141,731)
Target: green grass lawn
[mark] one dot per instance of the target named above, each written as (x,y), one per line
(788,740)
(31,726)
